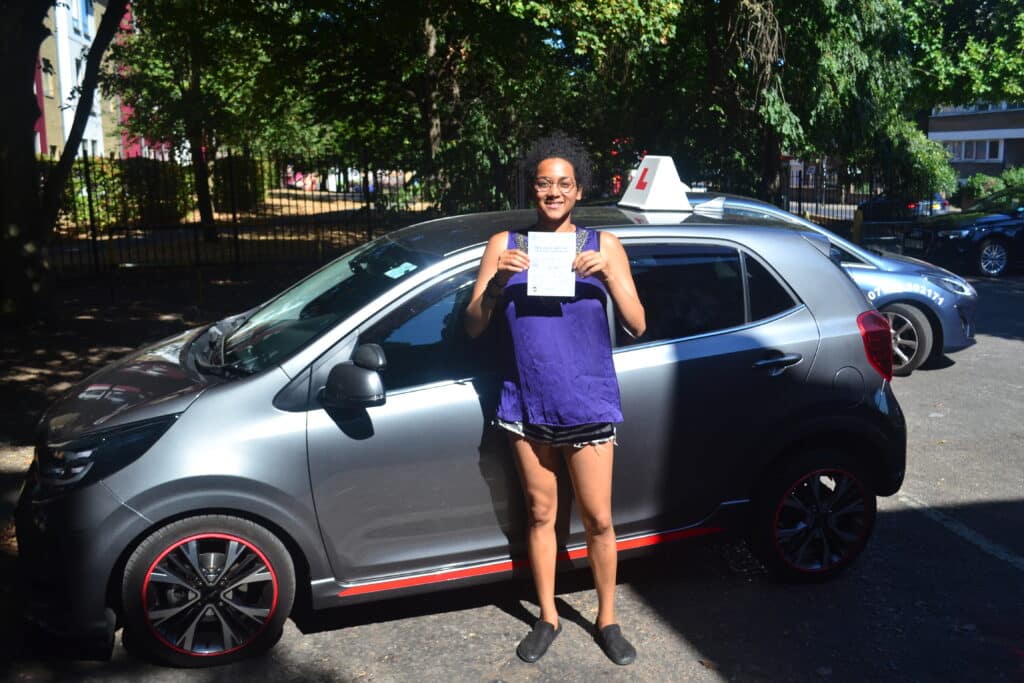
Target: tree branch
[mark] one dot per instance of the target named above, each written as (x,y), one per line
(53,190)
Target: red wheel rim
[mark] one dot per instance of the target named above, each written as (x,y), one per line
(209,594)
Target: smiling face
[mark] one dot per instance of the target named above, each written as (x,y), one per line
(556,201)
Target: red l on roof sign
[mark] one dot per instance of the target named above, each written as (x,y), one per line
(656,187)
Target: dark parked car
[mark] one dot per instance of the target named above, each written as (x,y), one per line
(987,238)
(890,207)
(333,446)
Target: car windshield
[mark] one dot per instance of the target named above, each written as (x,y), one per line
(302,313)
(1006,201)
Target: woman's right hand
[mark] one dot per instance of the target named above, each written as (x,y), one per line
(510,262)
(498,265)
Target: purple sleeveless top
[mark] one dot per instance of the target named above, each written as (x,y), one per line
(558,369)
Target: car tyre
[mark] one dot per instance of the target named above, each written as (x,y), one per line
(911,337)
(812,516)
(207,590)
(993,257)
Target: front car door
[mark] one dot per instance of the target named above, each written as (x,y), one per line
(421,481)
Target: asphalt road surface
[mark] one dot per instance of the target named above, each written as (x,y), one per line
(937,596)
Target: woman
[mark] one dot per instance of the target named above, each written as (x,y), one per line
(560,398)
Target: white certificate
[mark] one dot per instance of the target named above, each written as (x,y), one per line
(551,256)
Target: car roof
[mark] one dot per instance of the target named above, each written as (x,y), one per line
(445,236)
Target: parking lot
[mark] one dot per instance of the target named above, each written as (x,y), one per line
(938,595)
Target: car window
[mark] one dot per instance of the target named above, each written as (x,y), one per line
(846,256)
(314,305)
(423,339)
(686,289)
(767,295)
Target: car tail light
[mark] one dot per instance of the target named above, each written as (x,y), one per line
(877,336)
(911,205)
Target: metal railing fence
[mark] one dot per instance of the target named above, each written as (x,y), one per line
(139,212)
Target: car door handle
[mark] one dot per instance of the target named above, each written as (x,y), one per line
(778,364)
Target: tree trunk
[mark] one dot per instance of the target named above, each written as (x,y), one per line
(430,97)
(771,154)
(28,211)
(199,143)
(201,176)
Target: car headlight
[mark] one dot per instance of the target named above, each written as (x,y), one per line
(952,284)
(66,464)
(958,234)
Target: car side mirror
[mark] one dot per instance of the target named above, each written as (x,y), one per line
(353,384)
(370,357)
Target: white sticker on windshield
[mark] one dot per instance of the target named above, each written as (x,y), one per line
(400,270)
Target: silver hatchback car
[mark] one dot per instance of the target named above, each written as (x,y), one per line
(333,446)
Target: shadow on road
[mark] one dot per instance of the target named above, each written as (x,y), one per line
(921,605)
(97,321)
(999,313)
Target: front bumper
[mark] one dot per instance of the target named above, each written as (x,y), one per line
(68,545)
(958,323)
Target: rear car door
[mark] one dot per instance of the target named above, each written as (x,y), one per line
(726,352)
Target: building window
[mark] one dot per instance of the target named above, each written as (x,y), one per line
(87,17)
(53,150)
(974,150)
(47,69)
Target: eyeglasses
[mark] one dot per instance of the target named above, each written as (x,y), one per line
(565,185)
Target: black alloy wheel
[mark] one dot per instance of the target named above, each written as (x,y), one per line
(912,337)
(993,257)
(813,517)
(207,590)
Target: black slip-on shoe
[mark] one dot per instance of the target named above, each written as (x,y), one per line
(615,645)
(535,644)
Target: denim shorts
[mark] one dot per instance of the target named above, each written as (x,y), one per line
(576,436)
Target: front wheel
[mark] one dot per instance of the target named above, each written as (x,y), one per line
(207,590)
(911,337)
(812,516)
(993,258)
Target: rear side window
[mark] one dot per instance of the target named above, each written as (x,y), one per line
(686,289)
(691,289)
(767,295)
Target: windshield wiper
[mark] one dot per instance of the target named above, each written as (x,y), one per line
(223,370)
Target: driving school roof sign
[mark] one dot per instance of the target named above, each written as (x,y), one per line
(656,187)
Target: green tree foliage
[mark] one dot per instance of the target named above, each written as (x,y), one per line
(206,74)
(454,89)
(966,50)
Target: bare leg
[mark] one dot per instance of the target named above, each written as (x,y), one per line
(591,471)
(538,467)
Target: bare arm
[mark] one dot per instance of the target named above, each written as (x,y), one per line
(611,265)
(496,267)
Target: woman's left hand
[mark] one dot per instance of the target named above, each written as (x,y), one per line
(594,263)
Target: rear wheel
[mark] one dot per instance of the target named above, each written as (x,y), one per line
(812,516)
(911,337)
(207,590)
(993,257)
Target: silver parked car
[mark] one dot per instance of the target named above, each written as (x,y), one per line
(930,309)
(333,446)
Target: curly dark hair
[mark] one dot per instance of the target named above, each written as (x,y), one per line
(563,146)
